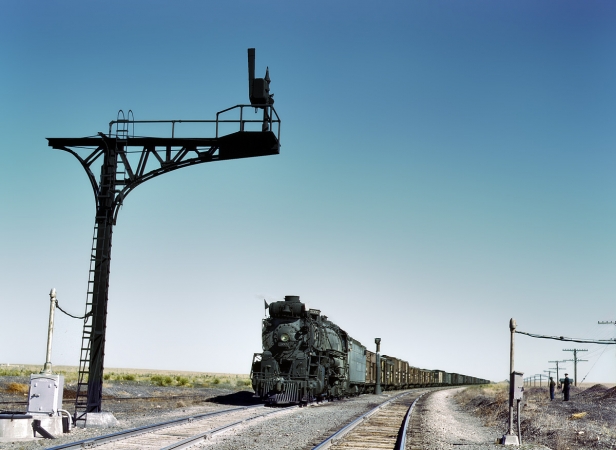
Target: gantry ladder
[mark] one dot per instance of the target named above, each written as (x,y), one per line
(99,257)
(81,399)
(122,133)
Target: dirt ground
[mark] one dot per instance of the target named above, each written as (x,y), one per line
(130,398)
(587,421)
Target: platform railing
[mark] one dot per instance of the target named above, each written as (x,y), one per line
(270,121)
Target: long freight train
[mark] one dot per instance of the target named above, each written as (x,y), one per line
(307,357)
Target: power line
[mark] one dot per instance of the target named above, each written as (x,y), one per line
(605,322)
(593,366)
(567,339)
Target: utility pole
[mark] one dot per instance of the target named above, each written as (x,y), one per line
(575,360)
(606,322)
(557,375)
(510,437)
(550,372)
(47,367)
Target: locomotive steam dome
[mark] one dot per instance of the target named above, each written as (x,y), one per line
(290,307)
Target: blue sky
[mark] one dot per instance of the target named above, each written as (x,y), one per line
(444,166)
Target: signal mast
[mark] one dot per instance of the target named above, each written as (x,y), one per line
(125,161)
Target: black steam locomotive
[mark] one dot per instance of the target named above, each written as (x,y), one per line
(307,357)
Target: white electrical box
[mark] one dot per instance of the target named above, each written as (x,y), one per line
(46,392)
(517,385)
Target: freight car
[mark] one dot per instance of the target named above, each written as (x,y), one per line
(306,357)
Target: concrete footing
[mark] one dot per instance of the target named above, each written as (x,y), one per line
(100,420)
(510,439)
(19,426)
(16,426)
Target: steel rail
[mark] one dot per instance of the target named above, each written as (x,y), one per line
(347,428)
(119,399)
(99,440)
(189,442)
(401,442)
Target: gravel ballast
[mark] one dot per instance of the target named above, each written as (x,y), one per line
(299,428)
(444,426)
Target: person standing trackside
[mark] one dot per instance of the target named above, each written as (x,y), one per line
(566,387)
(552,387)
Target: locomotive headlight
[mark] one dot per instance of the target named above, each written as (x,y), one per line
(284,337)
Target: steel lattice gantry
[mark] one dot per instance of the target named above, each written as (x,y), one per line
(126,161)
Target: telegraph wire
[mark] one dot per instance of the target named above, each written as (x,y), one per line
(593,366)
(582,341)
(567,339)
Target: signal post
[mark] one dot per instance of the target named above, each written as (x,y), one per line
(128,160)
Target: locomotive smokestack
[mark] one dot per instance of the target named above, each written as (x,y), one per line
(291,298)
(251,70)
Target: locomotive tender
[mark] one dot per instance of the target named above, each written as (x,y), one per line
(307,357)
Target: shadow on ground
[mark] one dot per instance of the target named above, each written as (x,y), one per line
(241,398)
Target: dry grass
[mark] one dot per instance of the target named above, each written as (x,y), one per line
(486,401)
(17,388)
(146,376)
(182,380)
(25,370)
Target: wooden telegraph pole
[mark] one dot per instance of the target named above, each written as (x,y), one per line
(575,361)
(511,438)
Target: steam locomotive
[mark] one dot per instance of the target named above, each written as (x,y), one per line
(306,357)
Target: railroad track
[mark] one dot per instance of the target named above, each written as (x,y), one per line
(176,434)
(120,399)
(384,427)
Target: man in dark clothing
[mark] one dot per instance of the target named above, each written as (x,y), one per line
(552,387)
(566,387)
